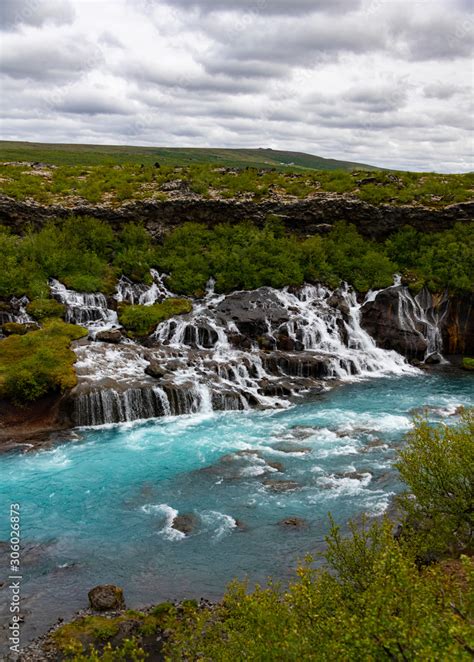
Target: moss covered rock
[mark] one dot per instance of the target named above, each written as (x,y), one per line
(44,308)
(106,597)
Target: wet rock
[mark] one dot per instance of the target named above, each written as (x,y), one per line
(336,300)
(381,319)
(352,475)
(252,311)
(282,485)
(293,523)
(111,336)
(291,447)
(303,431)
(186,523)
(156,369)
(433,359)
(373,444)
(275,388)
(278,466)
(106,597)
(296,365)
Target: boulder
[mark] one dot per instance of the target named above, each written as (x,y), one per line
(251,311)
(185,523)
(290,447)
(109,335)
(106,597)
(155,369)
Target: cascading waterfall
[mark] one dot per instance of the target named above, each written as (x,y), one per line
(86,309)
(141,294)
(247,349)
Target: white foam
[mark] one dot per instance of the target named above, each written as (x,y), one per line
(167,532)
(221,523)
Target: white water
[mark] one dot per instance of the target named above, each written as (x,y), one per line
(310,335)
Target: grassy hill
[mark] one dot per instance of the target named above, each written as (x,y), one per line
(57,154)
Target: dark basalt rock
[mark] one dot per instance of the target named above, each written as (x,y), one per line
(156,369)
(305,217)
(106,597)
(251,310)
(111,335)
(296,365)
(185,523)
(291,447)
(381,320)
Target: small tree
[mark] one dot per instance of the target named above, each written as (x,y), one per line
(437,464)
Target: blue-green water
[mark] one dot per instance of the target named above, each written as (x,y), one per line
(99,509)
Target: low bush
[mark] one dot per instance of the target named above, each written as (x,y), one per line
(142,320)
(44,308)
(39,362)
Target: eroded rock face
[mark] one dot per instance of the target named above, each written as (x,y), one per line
(311,216)
(106,597)
(252,312)
(382,320)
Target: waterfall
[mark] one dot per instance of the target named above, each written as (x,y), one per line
(141,294)
(86,309)
(247,349)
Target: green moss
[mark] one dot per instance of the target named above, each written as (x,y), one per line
(38,362)
(468,363)
(85,630)
(11,328)
(141,320)
(44,308)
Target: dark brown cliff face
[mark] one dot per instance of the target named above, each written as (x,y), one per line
(397,325)
(458,326)
(301,216)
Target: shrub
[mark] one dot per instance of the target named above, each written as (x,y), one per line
(437,464)
(44,308)
(142,320)
(38,362)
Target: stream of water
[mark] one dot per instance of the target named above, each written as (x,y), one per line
(100,509)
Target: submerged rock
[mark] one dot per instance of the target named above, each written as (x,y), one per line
(291,447)
(281,485)
(293,523)
(106,597)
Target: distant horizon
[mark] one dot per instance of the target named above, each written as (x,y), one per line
(211,148)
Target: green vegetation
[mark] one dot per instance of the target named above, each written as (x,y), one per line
(39,362)
(379,595)
(83,253)
(115,184)
(45,308)
(58,154)
(141,320)
(467,363)
(87,255)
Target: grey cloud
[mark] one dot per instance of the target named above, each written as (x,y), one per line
(377,99)
(92,103)
(440,90)
(61,61)
(34,12)
(196,81)
(264,7)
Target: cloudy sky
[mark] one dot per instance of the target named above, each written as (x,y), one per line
(388,82)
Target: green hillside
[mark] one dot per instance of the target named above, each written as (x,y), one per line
(57,154)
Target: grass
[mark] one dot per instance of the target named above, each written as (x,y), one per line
(115,184)
(59,154)
(38,362)
(141,320)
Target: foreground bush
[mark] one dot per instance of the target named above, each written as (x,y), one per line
(39,362)
(142,320)
(437,465)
